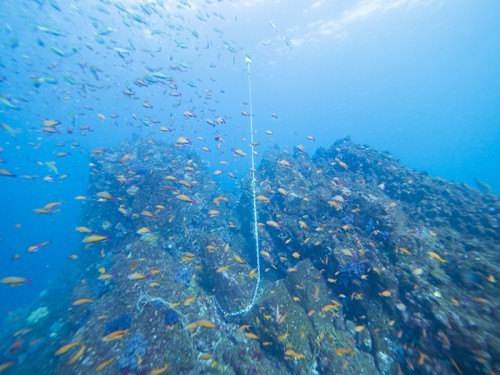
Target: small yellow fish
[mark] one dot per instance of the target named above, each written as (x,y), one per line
(6,365)
(184,198)
(104,195)
(14,280)
(282,192)
(83,230)
(347,252)
(303,225)
(252,336)
(37,247)
(417,271)
(50,123)
(213,213)
(282,336)
(190,300)
(342,351)
(206,324)
(334,204)
(136,276)
(239,259)
(405,251)
(78,354)
(359,328)
(436,256)
(239,152)
(6,173)
(329,307)
(385,293)
(191,326)
(104,364)
(65,348)
(341,163)
(480,300)
(147,214)
(95,238)
(115,335)
(182,141)
(158,371)
(284,163)
(222,269)
(294,354)
(243,327)
(273,224)
(82,301)
(22,331)
(263,198)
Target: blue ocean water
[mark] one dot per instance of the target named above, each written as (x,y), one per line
(418,78)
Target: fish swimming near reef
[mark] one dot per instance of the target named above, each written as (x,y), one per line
(483,186)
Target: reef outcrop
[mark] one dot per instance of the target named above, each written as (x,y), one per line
(367,267)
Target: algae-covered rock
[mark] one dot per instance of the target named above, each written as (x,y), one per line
(365,267)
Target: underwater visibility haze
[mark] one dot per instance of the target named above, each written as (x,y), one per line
(249,186)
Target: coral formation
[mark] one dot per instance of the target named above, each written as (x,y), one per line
(368,267)
(38,314)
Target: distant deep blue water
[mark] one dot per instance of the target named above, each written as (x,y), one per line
(416,78)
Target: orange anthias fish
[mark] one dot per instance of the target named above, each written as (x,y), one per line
(136,276)
(6,173)
(14,280)
(95,238)
(436,256)
(37,247)
(6,365)
(184,198)
(158,371)
(104,364)
(342,351)
(78,354)
(81,301)
(116,335)
(65,348)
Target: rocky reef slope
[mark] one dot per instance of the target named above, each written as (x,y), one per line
(366,267)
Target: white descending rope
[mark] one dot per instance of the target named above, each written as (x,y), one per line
(253,184)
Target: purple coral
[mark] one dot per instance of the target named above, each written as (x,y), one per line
(134,349)
(353,268)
